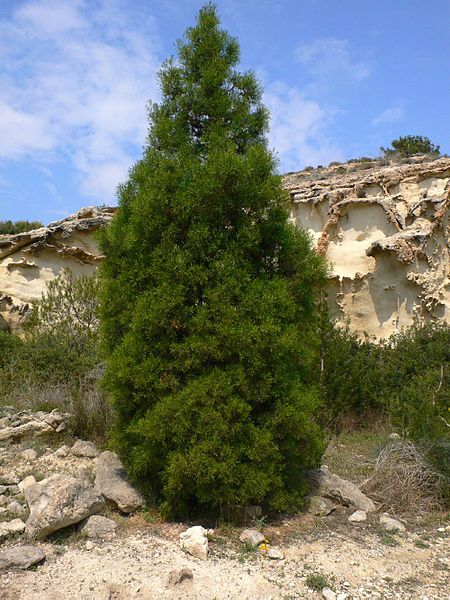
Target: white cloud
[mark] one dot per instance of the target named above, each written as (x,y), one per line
(390,115)
(297,128)
(75,85)
(331,59)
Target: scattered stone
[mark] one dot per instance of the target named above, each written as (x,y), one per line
(98,527)
(25,483)
(194,541)
(111,481)
(13,490)
(90,545)
(320,507)
(21,557)
(8,528)
(61,427)
(25,429)
(4,422)
(390,524)
(332,486)
(54,419)
(275,553)
(394,436)
(252,537)
(3,489)
(328,594)
(358,516)
(14,508)
(58,502)
(85,449)
(177,577)
(62,452)
(29,455)
(9,479)
(4,500)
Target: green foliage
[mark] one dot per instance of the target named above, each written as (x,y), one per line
(317,582)
(409,145)
(56,364)
(208,299)
(406,377)
(14,227)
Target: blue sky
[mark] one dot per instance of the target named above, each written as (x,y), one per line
(340,79)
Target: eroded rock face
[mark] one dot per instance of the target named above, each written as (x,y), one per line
(385,231)
(383,228)
(28,261)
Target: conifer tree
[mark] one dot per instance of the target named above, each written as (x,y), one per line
(208,302)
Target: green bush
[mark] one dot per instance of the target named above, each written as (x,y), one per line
(408,145)
(56,364)
(208,309)
(13,227)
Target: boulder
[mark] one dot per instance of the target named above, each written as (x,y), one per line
(111,481)
(345,492)
(194,541)
(98,527)
(252,537)
(21,557)
(84,449)
(58,502)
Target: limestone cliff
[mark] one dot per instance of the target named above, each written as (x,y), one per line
(29,260)
(383,228)
(385,231)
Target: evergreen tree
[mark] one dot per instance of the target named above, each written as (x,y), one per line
(208,301)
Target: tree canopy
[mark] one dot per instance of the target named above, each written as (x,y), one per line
(208,298)
(409,145)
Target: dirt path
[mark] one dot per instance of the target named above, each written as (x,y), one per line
(355,560)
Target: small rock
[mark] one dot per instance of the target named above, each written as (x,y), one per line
(252,537)
(3,489)
(8,528)
(62,452)
(177,577)
(328,594)
(14,508)
(13,490)
(275,553)
(99,527)
(394,436)
(4,422)
(85,449)
(26,483)
(358,516)
(390,524)
(195,542)
(61,427)
(21,557)
(29,455)
(343,596)
(90,545)
(4,500)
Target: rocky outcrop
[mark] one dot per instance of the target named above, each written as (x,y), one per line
(384,229)
(28,261)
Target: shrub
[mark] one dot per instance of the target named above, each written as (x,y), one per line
(404,481)
(409,145)
(13,227)
(208,298)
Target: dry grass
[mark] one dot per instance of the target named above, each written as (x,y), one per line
(403,482)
